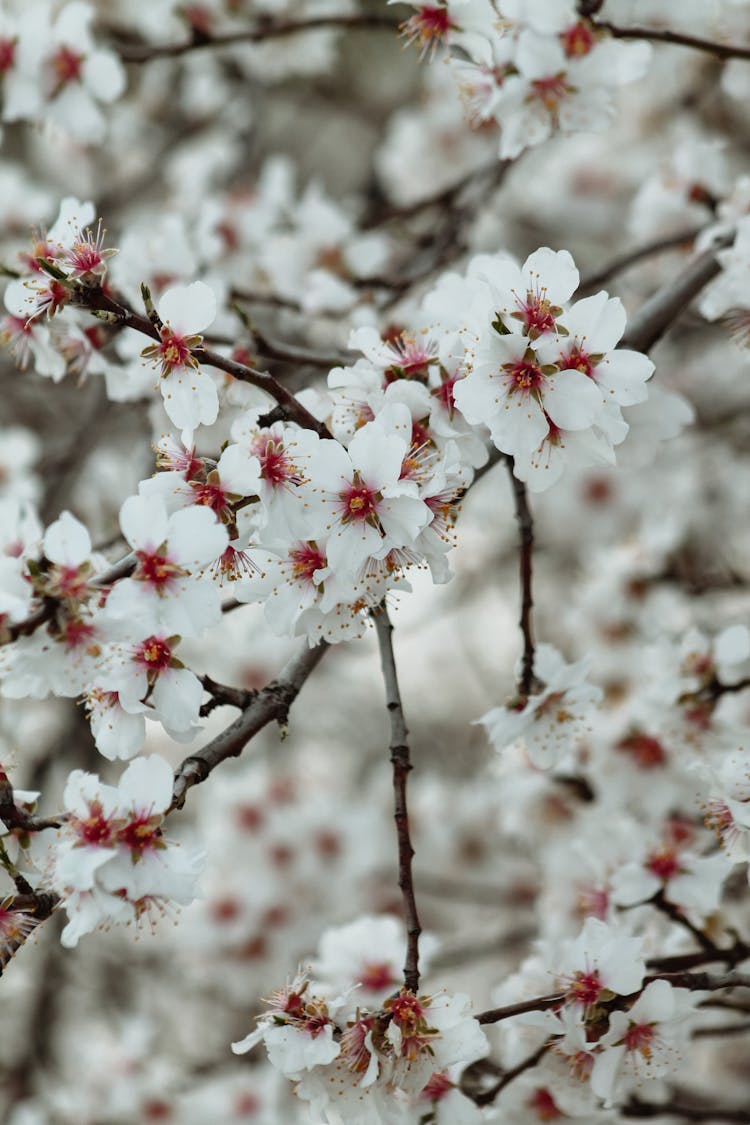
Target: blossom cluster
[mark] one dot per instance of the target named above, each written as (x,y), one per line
(533,68)
(364,1055)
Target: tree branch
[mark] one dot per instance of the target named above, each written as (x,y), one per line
(270,704)
(401,760)
(526,537)
(660,311)
(618,265)
(263,31)
(224,695)
(676,38)
(685,1110)
(675,915)
(97,301)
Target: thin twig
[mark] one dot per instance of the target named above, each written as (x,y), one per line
(401,760)
(685,1110)
(660,311)
(97,301)
(263,31)
(224,695)
(270,704)
(488,1096)
(624,261)
(675,915)
(538,1004)
(677,39)
(526,551)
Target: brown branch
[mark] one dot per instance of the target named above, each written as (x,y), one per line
(526,540)
(401,761)
(658,313)
(13,817)
(721,1029)
(675,915)
(486,1097)
(39,906)
(270,704)
(538,1004)
(694,982)
(224,695)
(263,31)
(686,1110)
(676,38)
(95,300)
(681,962)
(292,353)
(265,299)
(46,611)
(623,262)
(445,198)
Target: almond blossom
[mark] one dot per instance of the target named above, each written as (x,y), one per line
(166,590)
(548,721)
(362,501)
(643,1043)
(189,394)
(112,863)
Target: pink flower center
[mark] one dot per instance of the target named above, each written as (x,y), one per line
(53,297)
(550,91)
(276,465)
(593,902)
(579,360)
(543,1105)
(247,1105)
(664,864)
(438,1086)
(7,53)
(444,393)
(78,634)
(524,375)
(585,989)
(173,350)
(647,752)
(578,40)
(306,559)
(428,26)
(86,257)
(536,314)
(67,64)
(376,976)
(141,833)
(211,496)
(720,820)
(157,570)
(154,654)
(96,828)
(639,1037)
(359,503)
(407,1012)
(68,582)
(354,1047)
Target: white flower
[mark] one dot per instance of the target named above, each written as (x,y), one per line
(112,863)
(363,503)
(644,1042)
(604,960)
(166,593)
(548,721)
(189,393)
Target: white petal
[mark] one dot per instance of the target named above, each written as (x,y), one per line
(67,542)
(188,309)
(143,521)
(196,537)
